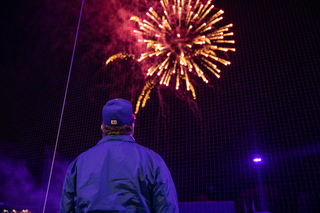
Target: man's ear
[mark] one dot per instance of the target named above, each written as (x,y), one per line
(102,126)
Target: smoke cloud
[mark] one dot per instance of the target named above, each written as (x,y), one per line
(19,188)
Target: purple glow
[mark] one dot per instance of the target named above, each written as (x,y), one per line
(19,188)
(257,160)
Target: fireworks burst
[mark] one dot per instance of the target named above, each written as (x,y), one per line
(182,42)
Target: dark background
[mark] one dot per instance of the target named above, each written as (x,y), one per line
(266,104)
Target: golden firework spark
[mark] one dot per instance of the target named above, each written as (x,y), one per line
(119,55)
(183,42)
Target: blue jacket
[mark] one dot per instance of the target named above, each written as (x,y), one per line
(118,175)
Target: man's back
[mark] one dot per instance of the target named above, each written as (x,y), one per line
(121,176)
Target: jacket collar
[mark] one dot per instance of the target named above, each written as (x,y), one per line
(121,138)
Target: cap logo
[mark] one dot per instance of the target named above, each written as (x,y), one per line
(113,122)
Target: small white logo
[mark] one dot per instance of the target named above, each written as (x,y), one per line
(113,122)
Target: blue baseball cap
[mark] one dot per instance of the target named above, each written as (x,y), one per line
(117,112)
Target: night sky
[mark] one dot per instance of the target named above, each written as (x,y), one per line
(266,103)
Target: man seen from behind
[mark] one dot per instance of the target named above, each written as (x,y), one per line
(118,175)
